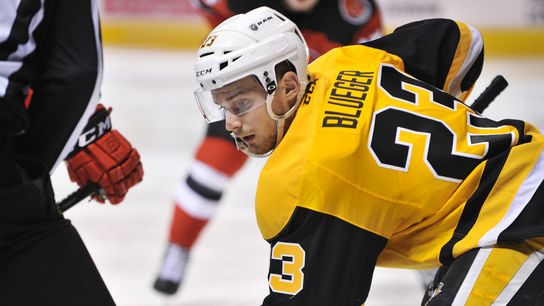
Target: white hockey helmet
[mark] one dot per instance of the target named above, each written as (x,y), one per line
(247,44)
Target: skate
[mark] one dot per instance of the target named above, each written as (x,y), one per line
(172,270)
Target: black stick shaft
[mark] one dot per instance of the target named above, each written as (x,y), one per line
(77,196)
(498,84)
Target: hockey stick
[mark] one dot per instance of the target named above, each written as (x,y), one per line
(78,196)
(498,84)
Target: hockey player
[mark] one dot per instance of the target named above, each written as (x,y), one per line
(375,160)
(54,47)
(325,25)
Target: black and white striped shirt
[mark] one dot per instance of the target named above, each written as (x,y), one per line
(53,47)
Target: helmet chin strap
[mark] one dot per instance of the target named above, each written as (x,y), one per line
(293,108)
(280,119)
(280,123)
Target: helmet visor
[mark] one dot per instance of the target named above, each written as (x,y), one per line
(237,98)
(212,112)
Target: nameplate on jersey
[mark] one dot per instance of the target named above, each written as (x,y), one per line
(346,100)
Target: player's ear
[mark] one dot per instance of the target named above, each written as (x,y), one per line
(290,83)
(289,87)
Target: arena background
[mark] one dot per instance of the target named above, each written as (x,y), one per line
(508,27)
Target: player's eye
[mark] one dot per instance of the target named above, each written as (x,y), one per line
(243,106)
(240,107)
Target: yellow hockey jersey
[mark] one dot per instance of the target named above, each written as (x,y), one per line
(382,166)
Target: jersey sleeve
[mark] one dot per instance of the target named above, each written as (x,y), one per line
(441,52)
(65,73)
(319,259)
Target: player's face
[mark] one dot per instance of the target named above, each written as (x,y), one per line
(246,115)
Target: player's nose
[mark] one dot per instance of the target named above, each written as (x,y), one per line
(232,122)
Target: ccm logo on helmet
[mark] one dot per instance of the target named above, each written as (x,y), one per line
(203,72)
(255,26)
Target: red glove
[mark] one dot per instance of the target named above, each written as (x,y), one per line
(105,157)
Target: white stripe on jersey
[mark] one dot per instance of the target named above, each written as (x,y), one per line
(476,46)
(208,176)
(194,204)
(471,277)
(8,11)
(7,69)
(524,194)
(7,15)
(521,276)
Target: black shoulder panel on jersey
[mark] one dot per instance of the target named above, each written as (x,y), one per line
(426,47)
(338,264)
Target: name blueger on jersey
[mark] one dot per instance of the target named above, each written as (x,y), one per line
(347,99)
